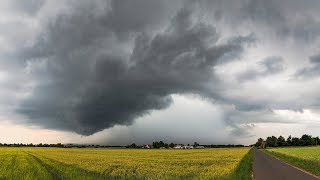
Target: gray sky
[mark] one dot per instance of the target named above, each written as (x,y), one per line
(117,72)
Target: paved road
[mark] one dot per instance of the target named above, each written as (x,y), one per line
(266,167)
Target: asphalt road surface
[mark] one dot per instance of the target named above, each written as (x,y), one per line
(266,167)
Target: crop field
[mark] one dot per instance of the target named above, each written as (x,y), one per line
(77,163)
(307,158)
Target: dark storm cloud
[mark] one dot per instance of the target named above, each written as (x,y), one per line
(315,59)
(27,7)
(312,71)
(127,15)
(287,19)
(270,66)
(88,81)
(264,12)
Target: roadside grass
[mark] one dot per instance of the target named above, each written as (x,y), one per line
(306,158)
(244,169)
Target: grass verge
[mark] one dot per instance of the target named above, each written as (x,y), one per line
(244,169)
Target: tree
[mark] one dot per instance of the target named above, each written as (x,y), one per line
(156,144)
(272,141)
(295,141)
(314,141)
(161,144)
(259,142)
(306,140)
(289,142)
(59,145)
(317,141)
(133,145)
(171,145)
(195,144)
(281,141)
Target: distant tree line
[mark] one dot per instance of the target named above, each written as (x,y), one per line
(162,144)
(223,145)
(155,145)
(133,145)
(59,145)
(31,145)
(305,140)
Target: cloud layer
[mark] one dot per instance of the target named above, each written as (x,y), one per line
(88,84)
(83,67)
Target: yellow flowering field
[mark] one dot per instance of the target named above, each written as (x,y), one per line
(87,163)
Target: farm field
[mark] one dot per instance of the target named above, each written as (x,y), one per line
(307,158)
(73,163)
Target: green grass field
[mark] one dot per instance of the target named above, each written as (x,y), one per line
(307,158)
(73,163)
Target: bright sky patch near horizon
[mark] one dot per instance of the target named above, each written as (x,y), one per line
(116,72)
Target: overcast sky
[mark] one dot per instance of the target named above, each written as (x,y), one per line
(122,71)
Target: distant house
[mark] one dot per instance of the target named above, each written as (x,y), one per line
(187,147)
(263,144)
(147,146)
(180,146)
(199,147)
